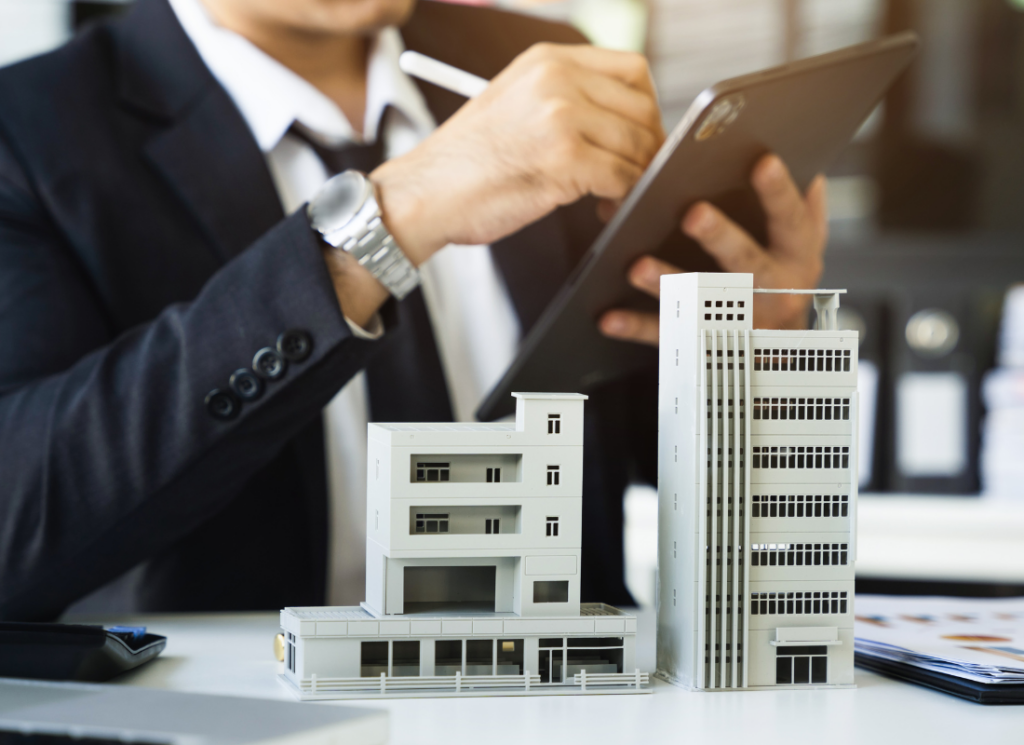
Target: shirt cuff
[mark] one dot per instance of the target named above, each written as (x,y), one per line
(372,331)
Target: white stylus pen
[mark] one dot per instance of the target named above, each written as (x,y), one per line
(441,74)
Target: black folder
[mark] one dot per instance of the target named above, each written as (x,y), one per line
(979,693)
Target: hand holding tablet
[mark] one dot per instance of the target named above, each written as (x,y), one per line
(806,113)
(798,231)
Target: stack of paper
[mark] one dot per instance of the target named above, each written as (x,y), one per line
(1002,467)
(959,668)
(946,643)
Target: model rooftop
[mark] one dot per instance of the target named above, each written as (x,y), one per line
(551,396)
(451,427)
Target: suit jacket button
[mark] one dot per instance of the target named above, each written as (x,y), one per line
(269,364)
(222,404)
(295,345)
(246,384)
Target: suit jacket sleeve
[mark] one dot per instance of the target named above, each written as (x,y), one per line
(107,452)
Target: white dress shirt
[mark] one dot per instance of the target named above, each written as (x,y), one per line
(470,311)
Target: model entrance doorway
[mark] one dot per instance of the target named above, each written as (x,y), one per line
(552,660)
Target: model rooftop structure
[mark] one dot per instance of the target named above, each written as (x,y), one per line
(473,563)
(757,491)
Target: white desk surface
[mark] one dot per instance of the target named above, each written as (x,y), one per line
(231,654)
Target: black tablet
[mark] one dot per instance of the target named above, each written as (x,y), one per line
(806,112)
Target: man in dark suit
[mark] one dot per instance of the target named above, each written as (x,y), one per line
(172,333)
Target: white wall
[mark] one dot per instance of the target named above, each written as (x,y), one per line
(31,27)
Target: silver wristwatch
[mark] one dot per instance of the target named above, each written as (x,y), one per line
(346,214)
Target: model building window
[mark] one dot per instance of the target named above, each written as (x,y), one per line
(433,471)
(432,522)
(447,656)
(373,659)
(820,409)
(551,591)
(552,527)
(797,603)
(493,475)
(554,424)
(799,554)
(799,505)
(492,526)
(801,665)
(510,656)
(405,659)
(480,657)
(554,475)
(802,360)
(801,457)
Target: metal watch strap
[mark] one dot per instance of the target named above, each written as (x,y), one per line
(368,241)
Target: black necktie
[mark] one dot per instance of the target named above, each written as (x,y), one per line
(405,377)
(350,155)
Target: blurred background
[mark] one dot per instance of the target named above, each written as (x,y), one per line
(927,223)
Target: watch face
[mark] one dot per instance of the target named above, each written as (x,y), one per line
(340,199)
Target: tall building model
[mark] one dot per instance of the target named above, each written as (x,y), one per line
(473,557)
(757,491)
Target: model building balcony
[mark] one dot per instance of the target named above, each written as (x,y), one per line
(460,520)
(485,468)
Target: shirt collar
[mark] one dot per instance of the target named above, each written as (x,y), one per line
(271,97)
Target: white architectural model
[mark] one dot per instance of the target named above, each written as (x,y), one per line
(757,492)
(472,570)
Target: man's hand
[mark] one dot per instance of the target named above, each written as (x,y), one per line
(797,233)
(559,123)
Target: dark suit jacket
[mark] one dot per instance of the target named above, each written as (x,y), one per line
(144,256)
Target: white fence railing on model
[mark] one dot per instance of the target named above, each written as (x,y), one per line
(634,679)
(394,684)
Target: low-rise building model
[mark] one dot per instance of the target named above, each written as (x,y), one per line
(757,491)
(473,564)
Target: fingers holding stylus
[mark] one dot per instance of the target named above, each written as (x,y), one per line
(640,106)
(559,123)
(627,67)
(602,95)
(612,132)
